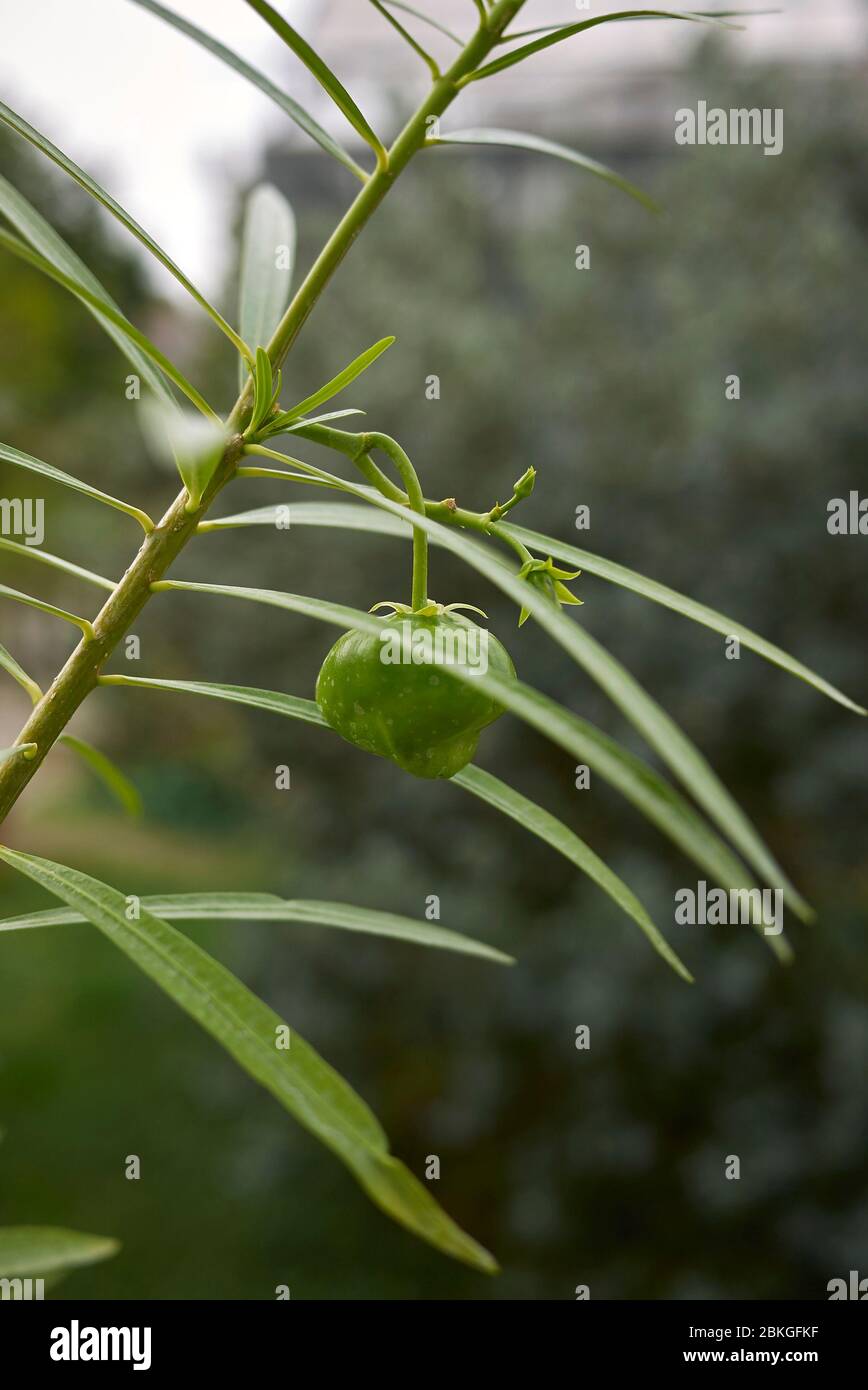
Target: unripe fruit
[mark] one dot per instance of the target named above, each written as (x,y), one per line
(382,694)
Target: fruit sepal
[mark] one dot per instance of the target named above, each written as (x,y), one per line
(429,610)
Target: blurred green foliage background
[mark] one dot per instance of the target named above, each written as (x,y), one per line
(603,1167)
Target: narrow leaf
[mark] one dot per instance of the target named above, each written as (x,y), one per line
(23,128)
(296,1075)
(109,774)
(408,38)
(23,252)
(45,470)
(323,74)
(264,907)
(16,751)
(517,55)
(292,109)
(8,662)
(517,139)
(43,238)
(481,784)
(48,608)
(321,419)
(345,516)
(195,446)
(337,384)
(553,832)
(679,603)
(700,14)
(35,1251)
(276,702)
(267,257)
(177,907)
(34,552)
(528,33)
(410,9)
(285,475)
(263,389)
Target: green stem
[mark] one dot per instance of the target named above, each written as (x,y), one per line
(521,550)
(354,446)
(359,450)
(408,143)
(345,443)
(80,675)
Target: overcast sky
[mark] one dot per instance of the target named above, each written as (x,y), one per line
(111,85)
(169,129)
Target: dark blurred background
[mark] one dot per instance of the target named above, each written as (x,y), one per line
(603,1167)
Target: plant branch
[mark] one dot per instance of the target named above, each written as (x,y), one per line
(80,675)
(356,447)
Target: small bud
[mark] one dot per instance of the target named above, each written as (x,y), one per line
(544,576)
(524,486)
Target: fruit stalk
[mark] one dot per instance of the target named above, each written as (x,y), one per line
(415,499)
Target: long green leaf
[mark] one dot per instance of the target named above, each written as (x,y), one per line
(653,723)
(48,608)
(334,387)
(17,749)
(482,784)
(293,706)
(264,907)
(518,140)
(34,552)
(551,831)
(109,774)
(296,113)
(283,475)
(348,516)
(264,285)
(417,14)
(43,238)
(321,419)
(250,1031)
(23,128)
(654,797)
(263,389)
(46,470)
(517,55)
(8,662)
(35,1251)
(321,71)
(529,33)
(679,603)
(345,516)
(24,253)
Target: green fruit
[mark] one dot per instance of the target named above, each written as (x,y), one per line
(380,693)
